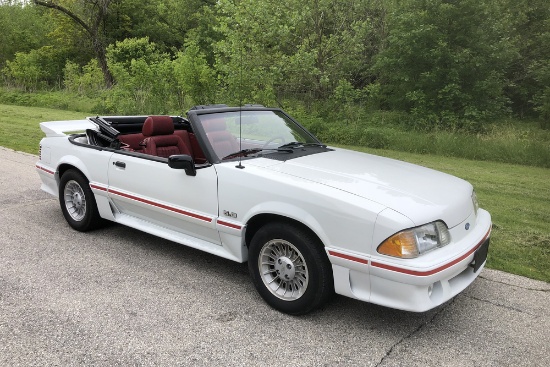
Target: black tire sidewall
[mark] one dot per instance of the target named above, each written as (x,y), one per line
(320,283)
(91,217)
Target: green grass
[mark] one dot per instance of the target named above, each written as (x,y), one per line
(19,126)
(57,99)
(517,196)
(516,142)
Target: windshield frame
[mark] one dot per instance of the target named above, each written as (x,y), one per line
(194,116)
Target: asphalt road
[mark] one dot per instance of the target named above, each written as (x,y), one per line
(117,296)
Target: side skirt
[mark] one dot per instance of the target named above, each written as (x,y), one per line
(174,236)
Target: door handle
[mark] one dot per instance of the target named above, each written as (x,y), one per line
(120,164)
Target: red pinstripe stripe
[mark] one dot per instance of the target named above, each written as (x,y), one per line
(159,205)
(433,271)
(227,224)
(348,257)
(98,187)
(45,170)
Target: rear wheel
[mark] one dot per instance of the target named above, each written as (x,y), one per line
(78,202)
(289,268)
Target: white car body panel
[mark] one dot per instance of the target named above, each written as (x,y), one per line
(351,201)
(153,191)
(401,186)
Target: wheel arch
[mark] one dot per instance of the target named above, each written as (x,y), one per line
(259,220)
(70,162)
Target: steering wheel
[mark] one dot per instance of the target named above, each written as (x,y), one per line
(278,137)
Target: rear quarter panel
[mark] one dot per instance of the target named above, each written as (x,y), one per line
(91,162)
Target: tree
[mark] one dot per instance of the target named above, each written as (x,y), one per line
(91,16)
(164,22)
(23,29)
(144,78)
(529,75)
(446,61)
(294,48)
(195,78)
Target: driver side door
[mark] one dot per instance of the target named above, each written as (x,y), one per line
(148,194)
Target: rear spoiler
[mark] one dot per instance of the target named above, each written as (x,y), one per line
(60,128)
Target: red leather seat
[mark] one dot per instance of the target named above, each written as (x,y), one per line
(160,139)
(223,142)
(133,141)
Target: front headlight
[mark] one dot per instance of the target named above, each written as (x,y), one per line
(414,242)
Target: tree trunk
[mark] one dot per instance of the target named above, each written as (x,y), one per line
(101,55)
(92,29)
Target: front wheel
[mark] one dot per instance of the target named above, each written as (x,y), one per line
(78,202)
(289,268)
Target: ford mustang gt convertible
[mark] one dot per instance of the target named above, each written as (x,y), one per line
(251,184)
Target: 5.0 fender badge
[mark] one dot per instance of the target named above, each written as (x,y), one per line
(467,226)
(227,213)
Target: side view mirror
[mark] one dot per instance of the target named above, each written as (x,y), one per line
(183,161)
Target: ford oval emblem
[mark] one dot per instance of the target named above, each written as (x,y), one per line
(467,226)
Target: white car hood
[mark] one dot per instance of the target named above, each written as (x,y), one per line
(421,194)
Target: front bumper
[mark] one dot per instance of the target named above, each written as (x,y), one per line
(414,284)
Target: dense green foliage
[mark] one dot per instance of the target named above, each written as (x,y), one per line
(445,65)
(445,62)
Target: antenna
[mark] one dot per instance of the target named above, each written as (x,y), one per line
(240,166)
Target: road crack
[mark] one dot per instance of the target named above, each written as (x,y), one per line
(415,331)
(501,305)
(517,286)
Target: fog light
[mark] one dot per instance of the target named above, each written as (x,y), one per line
(430,290)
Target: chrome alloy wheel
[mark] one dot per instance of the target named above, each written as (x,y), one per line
(75,200)
(283,270)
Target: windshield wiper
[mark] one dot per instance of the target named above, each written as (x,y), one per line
(292,144)
(243,152)
(315,145)
(246,152)
(296,144)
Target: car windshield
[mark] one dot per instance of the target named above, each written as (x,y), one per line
(245,132)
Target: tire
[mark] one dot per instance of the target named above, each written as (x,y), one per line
(290,268)
(77,202)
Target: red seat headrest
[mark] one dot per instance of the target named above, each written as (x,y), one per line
(158,125)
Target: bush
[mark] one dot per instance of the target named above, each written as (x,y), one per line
(33,70)
(194,77)
(542,101)
(87,81)
(144,79)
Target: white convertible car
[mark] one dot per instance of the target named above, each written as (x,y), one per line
(251,184)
